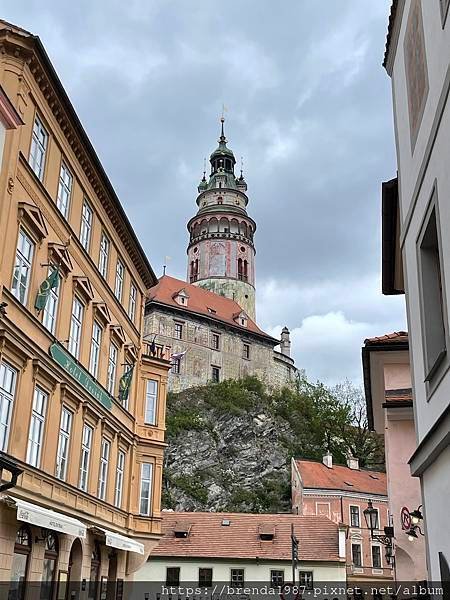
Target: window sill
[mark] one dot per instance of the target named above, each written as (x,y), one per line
(437,373)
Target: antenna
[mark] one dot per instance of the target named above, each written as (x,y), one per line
(242,166)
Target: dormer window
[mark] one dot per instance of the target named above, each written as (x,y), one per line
(266,532)
(181,297)
(181,531)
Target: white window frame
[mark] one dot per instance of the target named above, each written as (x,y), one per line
(120,277)
(103,258)
(350,516)
(237,583)
(38,148)
(65,431)
(151,401)
(144,497)
(96,344)
(8,383)
(23,265)
(76,327)
(372,546)
(132,301)
(308,579)
(85,459)
(113,356)
(64,189)
(357,543)
(103,471)
(37,426)
(120,473)
(50,312)
(178,330)
(87,217)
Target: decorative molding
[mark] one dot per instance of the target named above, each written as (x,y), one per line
(32,218)
(58,254)
(82,285)
(101,313)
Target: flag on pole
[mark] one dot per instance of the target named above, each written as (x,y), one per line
(177,356)
(45,288)
(125,384)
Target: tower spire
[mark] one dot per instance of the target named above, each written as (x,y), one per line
(222,139)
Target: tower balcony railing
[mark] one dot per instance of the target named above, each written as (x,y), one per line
(221,234)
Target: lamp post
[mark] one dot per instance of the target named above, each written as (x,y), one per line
(411,521)
(371,517)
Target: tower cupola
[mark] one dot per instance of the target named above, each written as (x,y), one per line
(221,251)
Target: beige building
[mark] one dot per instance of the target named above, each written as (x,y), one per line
(417,245)
(83,445)
(341,493)
(217,338)
(234,552)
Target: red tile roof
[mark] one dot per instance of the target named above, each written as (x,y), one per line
(397,337)
(315,475)
(208,538)
(201,302)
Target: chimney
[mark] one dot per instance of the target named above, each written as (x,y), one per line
(352,462)
(328,460)
(285,342)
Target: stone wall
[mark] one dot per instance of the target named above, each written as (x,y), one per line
(197,338)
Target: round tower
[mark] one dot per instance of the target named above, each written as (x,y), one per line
(221,254)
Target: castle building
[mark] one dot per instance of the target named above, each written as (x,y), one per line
(221,253)
(210,318)
(81,444)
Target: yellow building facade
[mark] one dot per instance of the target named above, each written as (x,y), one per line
(84,440)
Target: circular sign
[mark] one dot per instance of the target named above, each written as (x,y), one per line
(405,518)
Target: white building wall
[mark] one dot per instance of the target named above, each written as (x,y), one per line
(155,570)
(420,169)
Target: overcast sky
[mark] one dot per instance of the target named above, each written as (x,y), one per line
(309,109)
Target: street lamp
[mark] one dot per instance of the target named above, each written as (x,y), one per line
(371,517)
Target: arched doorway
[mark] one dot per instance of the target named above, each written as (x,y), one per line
(49,566)
(75,564)
(19,569)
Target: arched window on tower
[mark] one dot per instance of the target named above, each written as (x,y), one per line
(194,270)
(240,269)
(245,270)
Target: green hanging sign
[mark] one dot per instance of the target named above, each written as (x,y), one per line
(69,364)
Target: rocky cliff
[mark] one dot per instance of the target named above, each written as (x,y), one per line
(230,444)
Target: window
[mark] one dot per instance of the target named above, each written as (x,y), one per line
(354,516)
(173,576)
(376,557)
(179,331)
(38,148)
(151,397)
(76,324)
(145,495)
(103,474)
(86,445)
(96,342)
(86,225)
(8,377)
(49,566)
(132,302)
(237,578)
(246,351)
(51,306)
(63,443)
(215,341)
(215,374)
(432,296)
(377,520)
(19,568)
(120,272)
(356,555)
(306,579)
(22,267)
(176,366)
(120,468)
(112,368)
(64,190)
(103,256)
(276,578)
(205,578)
(36,430)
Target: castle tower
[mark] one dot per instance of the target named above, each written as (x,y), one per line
(221,254)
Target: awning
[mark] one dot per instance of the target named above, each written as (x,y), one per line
(48,519)
(115,540)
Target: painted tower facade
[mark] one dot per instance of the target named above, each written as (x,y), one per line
(221,252)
